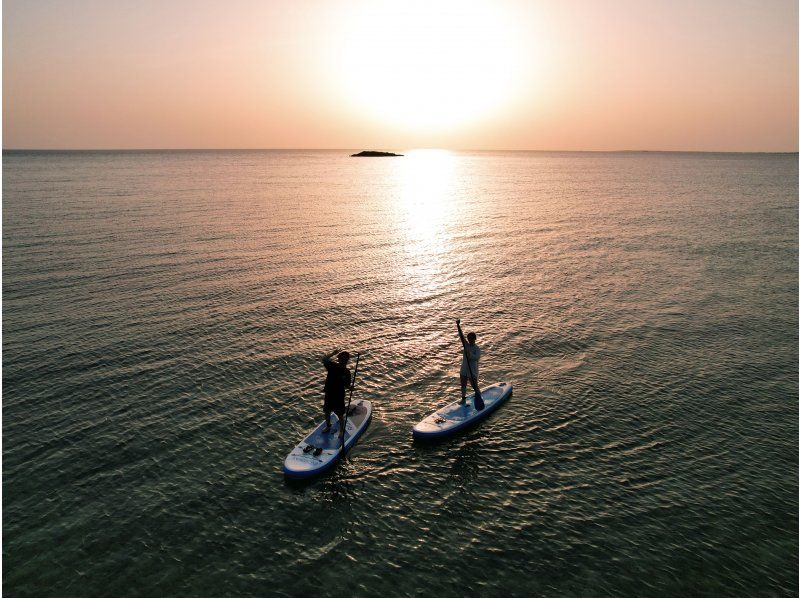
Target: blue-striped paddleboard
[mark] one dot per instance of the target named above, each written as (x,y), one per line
(455,416)
(302,463)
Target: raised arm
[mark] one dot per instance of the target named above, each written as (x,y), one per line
(460,333)
(327,358)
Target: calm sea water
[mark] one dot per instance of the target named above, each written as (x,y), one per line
(164,314)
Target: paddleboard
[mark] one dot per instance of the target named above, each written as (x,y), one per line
(304,462)
(455,416)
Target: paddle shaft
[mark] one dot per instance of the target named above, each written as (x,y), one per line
(350,398)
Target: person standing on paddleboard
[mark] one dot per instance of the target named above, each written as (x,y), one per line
(469,370)
(336,385)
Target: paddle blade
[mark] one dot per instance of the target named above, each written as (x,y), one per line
(479,404)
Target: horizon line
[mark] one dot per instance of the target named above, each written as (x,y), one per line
(341,149)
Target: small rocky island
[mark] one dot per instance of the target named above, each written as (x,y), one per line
(373,154)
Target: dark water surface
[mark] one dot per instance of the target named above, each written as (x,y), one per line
(164,314)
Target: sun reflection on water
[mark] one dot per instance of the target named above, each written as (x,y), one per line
(427,185)
(424,202)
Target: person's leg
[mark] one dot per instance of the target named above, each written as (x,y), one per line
(340,415)
(327,410)
(463,388)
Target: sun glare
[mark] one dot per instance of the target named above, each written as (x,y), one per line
(427,182)
(428,64)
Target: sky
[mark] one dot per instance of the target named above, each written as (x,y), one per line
(699,75)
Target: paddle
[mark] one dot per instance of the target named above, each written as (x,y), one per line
(478,398)
(350,398)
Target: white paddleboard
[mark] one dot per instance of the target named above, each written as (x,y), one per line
(305,462)
(455,416)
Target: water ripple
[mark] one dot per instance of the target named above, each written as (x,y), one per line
(165,313)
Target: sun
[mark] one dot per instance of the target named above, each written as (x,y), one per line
(428,64)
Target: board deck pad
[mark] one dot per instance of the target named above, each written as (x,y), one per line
(455,416)
(300,464)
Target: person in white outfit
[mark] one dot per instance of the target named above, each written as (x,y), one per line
(469,366)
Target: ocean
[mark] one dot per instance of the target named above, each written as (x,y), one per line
(165,313)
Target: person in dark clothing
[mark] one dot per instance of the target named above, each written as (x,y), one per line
(336,385)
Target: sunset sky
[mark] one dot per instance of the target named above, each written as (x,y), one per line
(395,74)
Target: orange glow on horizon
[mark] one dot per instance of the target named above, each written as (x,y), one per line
(383,74)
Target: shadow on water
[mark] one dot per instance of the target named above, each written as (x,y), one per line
(465,467)
(338,483)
